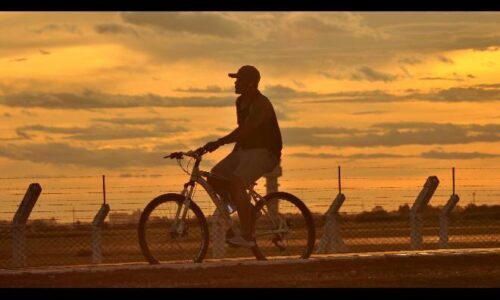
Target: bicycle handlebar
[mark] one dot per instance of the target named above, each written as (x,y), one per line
(196,154)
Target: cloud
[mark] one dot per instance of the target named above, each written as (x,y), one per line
(459,94)
(369,74)
(139,121)
(441,78)
(260,38)
(208,89)
(122,128)
(351,156)
(434,154)
(28,112)
(476,42)
(476,93)
(405,71)
(60,154)
(313,136)
(44,52)
(370,112)
(328,75)
(92,99)
(488,86)
(373,96)
(211,24)
(410,61)
(445,59)
(7,115)
(363,73)
(50,28)
(392,135)
(113,28)
(298,83)
(285,92)
(295,42)
(334,24)
(18,59)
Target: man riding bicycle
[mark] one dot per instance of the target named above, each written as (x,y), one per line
(257,150)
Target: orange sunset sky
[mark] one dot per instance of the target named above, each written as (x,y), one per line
(92,93)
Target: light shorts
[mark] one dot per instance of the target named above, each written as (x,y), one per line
(246,164)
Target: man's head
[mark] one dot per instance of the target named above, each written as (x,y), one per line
(247,79)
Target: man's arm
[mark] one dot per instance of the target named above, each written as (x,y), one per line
(230,138)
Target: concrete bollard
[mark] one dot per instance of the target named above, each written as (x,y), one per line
(443,220)
(416,220)
(331,240)
(96,233)
(272,187)
(19,225)
(218,232)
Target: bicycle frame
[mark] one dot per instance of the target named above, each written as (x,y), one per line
(197,177)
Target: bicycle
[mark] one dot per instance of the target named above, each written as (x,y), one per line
(172,226)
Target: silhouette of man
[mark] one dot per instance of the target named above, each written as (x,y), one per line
(257,150)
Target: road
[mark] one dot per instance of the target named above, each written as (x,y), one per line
(441,268)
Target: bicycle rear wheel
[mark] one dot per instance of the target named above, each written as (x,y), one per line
(157,240)
(285,230)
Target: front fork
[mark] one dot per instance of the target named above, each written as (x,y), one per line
(179,225)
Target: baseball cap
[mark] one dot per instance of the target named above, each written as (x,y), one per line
(247,72)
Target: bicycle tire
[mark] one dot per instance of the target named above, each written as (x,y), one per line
(151,256)
(262,247)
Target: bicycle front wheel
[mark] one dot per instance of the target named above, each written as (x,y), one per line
(284,227)
(161,240)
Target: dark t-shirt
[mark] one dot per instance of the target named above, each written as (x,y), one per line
(267,133)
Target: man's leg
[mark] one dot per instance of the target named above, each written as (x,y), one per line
(245,208)
(252,164)
(224,168)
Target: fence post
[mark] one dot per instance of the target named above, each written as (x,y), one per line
(445,214)
(443,220)
(96,233)
(416,222)
(272,186)
(218,235)
(19,223)
(331,240)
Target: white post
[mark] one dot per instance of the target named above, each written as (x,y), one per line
(443,220)
(96,233)
(218,232)
(331,240)
(416,222)
(272,187)
(19,224)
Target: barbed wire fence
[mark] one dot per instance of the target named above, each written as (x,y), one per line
(372,212)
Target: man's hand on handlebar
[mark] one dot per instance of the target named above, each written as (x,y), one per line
(195,154)
(177,155)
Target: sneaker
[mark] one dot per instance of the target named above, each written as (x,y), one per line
(238,240)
